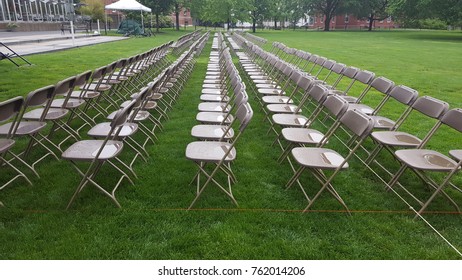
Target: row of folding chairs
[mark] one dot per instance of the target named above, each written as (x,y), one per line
(147,109)
(185,41)
(272,77)
(224,114)
(253,38)
(84,97)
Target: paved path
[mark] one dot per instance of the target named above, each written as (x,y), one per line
(25,43)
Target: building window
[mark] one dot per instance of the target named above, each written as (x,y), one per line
(389,19)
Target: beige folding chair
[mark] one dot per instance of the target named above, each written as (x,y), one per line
(381,85)
(58,115)
(423,161)
(391,140)
(19,127)
(97,153)
(217,153)
(10,109)
(319,160)
(333,105)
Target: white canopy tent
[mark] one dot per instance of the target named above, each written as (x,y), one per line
(129,5)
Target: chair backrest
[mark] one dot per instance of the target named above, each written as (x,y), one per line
(351,72)
(404,94)
(65,86)
(336,105)
(39,96)
(358,123)
(10,109)
(382,84)
(121,116)
(453,118)
(431,107)
(248,116)
(364,76)
(82,78)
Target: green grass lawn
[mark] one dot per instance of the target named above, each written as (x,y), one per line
(267,224)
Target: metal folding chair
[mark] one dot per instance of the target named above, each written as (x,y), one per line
(220,155)
(423,161)
(97,153)
(19,127)
(10,109)
(319,160)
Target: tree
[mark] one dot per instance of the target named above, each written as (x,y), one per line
(159,8)
(373,10)
(197,10)
(259,10)
(93,8)
(449,11)
(295,11)
(328,8)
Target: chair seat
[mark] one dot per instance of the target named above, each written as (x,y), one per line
(282,108)
(382,122)
(426,160)
(71,103)
(396,138)
(273,99)
(103,129)
(214,98)
(52,114)
(361,107)
(102,87)
(271,91)
(318,158)
(209,151)
(456,154)
(211,132)
(264,81)
(212,117)
(267,86)
(212,91)
(5,145)
(24,128)
(295,120)
(214,107)
(302,135)
(213,81)
(85,95)
(87,150)
(211,85)
(156,96)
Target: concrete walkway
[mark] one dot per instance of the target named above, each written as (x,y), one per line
(26,43)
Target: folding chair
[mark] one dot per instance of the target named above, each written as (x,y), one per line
(319,160)
(10,109)
(423,161)
(221,155)
(364,77)
(97,153)
(381,85)
(392,140)
(217,132)
(334,105)
(58,114)
(19,127)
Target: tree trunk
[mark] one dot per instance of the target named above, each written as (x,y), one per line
(229,23)
(157,22)
(177,17)
(275,24)
(254,25)
(327,23)
(371,22)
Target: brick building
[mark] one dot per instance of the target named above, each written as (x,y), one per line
(185,18)
(350,22)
